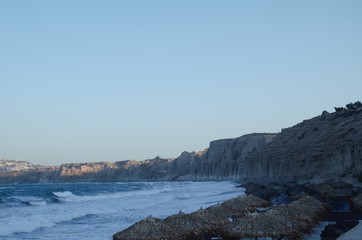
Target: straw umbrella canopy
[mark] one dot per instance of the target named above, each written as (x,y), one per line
(238,207)
(307,211)
(292,220)
(261,225)
(311,206)
(149,229)
(211,219)
(193,226)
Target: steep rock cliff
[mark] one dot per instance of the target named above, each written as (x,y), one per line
(223,160)
(147,170)
(325,147)
(73,172)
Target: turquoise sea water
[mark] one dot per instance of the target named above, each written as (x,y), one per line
(98,210)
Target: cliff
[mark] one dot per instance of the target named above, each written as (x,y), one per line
(325,147)
(223,160)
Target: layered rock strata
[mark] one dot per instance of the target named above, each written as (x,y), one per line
(325,147)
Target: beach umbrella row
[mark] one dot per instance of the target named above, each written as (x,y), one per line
(238,207)
(149,229)
(290,221)
(237,218)
(193,226)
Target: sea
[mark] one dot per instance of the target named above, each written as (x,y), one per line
(74,211)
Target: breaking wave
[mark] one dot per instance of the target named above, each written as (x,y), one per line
(68,211)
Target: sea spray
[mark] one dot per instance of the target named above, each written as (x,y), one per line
(69,211)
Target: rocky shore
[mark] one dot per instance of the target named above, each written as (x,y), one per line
(344,199)
(268,211)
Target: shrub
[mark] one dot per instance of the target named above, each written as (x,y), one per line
(339,109)
(354,106)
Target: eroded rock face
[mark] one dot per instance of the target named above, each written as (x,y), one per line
(223,160)
(324,147)
(97,171)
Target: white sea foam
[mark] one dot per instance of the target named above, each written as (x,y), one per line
(14,224)
(68,196)
(27,219)
(75,214)
(65,194)
(37,202)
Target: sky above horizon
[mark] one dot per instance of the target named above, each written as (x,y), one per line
(85,81)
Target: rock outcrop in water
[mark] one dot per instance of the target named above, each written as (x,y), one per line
(325,147)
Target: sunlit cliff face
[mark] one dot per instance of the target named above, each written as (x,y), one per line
(84,168)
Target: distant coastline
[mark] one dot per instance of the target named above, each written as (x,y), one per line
(318,149)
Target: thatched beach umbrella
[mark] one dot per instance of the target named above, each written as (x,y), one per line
(192,226)
(238,207)
(310,205)
(309,209)
(291,221)
(149,229)
(261,225)
(209,217)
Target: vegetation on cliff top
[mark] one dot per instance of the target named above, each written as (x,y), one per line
(349,107)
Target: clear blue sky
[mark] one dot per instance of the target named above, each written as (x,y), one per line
(84,81)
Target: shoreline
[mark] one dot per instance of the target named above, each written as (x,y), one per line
(338,220)
(332,208)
